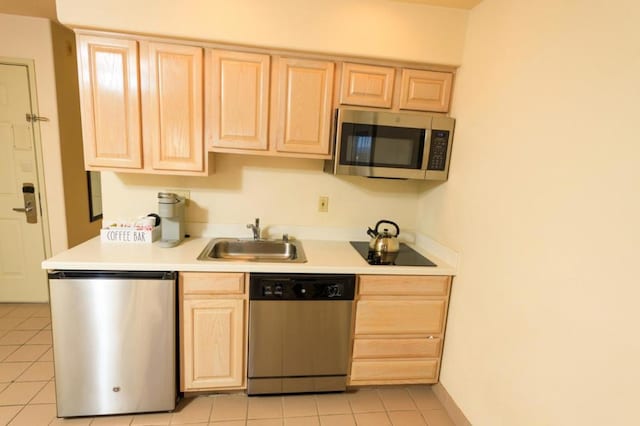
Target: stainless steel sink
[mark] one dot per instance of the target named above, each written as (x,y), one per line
(254,250)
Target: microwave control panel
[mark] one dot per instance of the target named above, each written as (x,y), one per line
(438,150)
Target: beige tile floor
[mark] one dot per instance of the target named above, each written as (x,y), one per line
(27,392)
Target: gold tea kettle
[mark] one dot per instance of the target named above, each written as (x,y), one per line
(384,246)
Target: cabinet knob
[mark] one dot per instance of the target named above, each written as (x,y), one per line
(430,337)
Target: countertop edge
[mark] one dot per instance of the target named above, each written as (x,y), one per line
(324,257)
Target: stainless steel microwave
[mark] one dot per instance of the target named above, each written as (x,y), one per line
(398,145)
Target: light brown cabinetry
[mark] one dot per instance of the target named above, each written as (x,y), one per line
(367,85)
(141,106)
(110,102)
(302,91)
(237,100)
(425,90)
(399,328)
(172,106)
(375,86)
(213,313)
(268,105)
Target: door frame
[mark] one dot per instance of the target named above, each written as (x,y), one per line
(37,143)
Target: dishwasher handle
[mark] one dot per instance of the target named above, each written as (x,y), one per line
(135,275)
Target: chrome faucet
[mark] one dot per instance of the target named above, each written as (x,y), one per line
(255,228)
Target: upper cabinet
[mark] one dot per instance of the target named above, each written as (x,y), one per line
(172,106)
(153,124)
(110,102)
(302,106)
(237,100)
(375,86)
(268,105)
(152,106)
(425,90)
(367,85)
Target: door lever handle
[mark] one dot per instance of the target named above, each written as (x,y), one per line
(23,210)
(28,207)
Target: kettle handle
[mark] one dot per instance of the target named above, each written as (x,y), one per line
(390,223)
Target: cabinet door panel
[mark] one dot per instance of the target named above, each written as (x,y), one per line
(394,371)
(110,102)
(367,85)
(213,339)
(212,282)
(173,107)
(400,316)
(403,285)
(424,347)
(425,90)
(303,117)
(237,99)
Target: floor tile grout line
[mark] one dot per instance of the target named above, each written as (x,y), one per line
(23,405)
(377,391)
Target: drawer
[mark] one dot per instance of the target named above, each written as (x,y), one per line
(400,316)
(392,371)
(212,283)
(404,285)
(424,347)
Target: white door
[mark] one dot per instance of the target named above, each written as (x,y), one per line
(21,243)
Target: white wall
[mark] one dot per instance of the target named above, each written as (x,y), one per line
(279,191)
(30,38)
(543,204)
(375,28)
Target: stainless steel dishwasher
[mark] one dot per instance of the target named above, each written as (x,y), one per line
(299,332)
(114,341)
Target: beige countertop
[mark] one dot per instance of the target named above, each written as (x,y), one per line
(322,257)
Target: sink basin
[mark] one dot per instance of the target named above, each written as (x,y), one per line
(253,250)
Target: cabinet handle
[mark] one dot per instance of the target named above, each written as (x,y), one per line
(430,337)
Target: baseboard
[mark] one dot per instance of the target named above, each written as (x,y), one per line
(454,412)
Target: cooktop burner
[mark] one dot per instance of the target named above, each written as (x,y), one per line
(406,256)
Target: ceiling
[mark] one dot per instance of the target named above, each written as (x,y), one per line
(47,8)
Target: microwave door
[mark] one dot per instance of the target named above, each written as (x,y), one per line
(375,150)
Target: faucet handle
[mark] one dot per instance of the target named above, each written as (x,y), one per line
(285,238)
(255,228)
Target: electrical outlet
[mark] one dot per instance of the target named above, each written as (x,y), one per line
(323,204)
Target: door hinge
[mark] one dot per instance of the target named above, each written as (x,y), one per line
(32,118)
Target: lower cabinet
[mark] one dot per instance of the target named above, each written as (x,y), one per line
(397,336)
(399,329)
(213,311)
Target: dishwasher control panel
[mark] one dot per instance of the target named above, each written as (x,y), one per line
(302,287)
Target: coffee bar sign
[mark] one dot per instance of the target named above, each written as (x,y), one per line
(129,235)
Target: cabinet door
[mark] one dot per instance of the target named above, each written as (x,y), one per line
(302,117)
(375,372)
(366,85)
(213,343)
(400,316)
(109,102)
(172,102)
(237,99)
(403,285)
(425,90)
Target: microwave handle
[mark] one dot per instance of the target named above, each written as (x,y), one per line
(426,150)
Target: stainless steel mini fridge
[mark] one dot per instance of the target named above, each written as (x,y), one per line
(114,341)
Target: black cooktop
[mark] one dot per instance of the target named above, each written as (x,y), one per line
(406,256)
